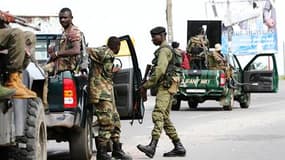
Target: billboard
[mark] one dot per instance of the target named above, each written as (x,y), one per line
(249,27)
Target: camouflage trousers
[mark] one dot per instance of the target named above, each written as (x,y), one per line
(13,40)
(109,121)
(161,115)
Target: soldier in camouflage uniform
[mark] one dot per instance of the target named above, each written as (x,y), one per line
(65,57)
(197,47)
(220,62)
(161,112)
(100,88)
(13,40)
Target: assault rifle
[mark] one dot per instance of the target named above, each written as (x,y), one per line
(9,18)
(146,73)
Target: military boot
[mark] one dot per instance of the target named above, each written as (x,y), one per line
(30,92)
(178,151)
(102,152)
(14,82)
(118,153)
(109,146)
(149,150)
(6,92)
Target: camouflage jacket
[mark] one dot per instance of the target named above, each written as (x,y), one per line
(162,57)
(68,37)
(100,76)
(196,42)
(219,61)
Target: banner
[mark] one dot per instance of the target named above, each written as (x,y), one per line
(249,27)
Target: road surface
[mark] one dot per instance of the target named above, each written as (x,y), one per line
(256,133)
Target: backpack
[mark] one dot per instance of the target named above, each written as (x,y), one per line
(173,68)
(185,61)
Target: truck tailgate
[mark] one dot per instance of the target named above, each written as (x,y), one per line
(201,79)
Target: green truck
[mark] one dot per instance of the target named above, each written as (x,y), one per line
(199,85)
(70,117)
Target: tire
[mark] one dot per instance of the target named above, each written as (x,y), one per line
(230,97)
(35,137)
(192,104)
(80,143)
(245,101)
(176,104)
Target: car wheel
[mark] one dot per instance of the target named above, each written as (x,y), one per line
(35,137)
(192,104)
(176,104)
(80,143)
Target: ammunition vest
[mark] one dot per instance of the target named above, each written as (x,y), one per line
(173,68)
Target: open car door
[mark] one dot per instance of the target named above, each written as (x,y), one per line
(260,74)
(126,82)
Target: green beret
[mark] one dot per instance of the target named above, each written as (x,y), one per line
(157,30)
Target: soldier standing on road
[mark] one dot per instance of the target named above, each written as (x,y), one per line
(161,113)
(65,57)
(13,40)
(101,96)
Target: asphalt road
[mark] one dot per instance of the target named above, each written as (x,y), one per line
(256,133)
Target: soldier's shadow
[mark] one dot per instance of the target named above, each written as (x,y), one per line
(58,155)
(204,109)
(207,109)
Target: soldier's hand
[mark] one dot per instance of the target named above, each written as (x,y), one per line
(51,49)
(143,93)
(53,55)
(116,69)
(6,17)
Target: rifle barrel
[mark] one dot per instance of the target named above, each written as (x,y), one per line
(27,25)
(20,19)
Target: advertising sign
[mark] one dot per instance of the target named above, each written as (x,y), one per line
(249,27)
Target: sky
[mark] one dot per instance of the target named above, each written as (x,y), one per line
(99,19)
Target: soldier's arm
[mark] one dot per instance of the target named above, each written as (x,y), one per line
(217,58)
(163,59)
(94,54)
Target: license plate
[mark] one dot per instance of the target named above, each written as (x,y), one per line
(195,90)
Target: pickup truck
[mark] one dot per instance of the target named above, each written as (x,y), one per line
(198,85)
(70,117)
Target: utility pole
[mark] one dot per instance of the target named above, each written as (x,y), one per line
(169,20)
(229,28)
